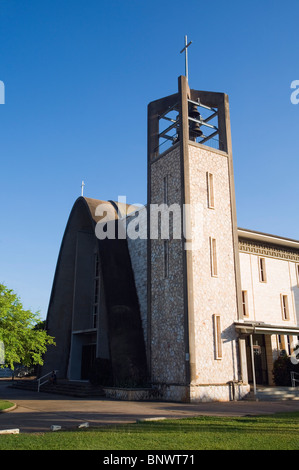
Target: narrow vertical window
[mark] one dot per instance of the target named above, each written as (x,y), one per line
(165,189)
(217,335)
(262,269)
(166,258)
(284,344)
(245,303)
(280,343)
(96,266)
(211,195)
(289,345)
(96,291)
(213,252)
(297,273)
(284,307)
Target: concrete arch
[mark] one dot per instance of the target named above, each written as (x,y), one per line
(126,361)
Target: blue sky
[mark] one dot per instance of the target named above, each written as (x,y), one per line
(78,77)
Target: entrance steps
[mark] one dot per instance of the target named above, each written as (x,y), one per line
(62,387)
(85,389)
(274,394)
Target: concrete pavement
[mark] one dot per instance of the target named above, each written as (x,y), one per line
(37,412)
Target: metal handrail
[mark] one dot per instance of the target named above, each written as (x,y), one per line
(293,378)
(39,384)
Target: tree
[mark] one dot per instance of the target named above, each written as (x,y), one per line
(24,341)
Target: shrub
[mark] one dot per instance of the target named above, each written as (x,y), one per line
(282,369)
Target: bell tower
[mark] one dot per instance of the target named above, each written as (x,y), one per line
(194,292)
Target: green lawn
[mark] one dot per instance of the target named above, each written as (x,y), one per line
(5,404)
(272,432)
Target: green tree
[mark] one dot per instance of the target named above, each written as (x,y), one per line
(24,341)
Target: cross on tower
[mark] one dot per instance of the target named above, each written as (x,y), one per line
(186,55)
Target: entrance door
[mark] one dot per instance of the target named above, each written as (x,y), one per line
(260,360)
(88,359)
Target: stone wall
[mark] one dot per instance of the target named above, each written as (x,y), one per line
(181,393)
(213,295)
(209,295)
(138,253)
(167,293)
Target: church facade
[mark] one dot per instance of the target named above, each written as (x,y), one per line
(173,298)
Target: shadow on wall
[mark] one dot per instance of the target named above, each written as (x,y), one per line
(228,335)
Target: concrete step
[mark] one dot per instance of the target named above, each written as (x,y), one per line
(275,394)
(75,389)
(28,384)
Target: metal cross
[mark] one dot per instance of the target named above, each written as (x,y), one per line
(186,55)
(82,188)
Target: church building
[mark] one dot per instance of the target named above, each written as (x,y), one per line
(174,299)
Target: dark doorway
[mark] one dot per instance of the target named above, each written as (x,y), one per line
(88,360)
(260,360)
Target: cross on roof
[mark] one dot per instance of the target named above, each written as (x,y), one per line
(82,188)
(186,55)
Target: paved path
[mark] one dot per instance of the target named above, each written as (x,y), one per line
(37,412)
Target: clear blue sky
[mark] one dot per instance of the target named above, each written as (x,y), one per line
(78,77)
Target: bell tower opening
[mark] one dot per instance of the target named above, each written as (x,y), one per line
(202,124)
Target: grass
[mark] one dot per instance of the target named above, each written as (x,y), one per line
(5,404)
(269,432)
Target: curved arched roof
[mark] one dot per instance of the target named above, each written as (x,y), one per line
(121,307)
(112,210)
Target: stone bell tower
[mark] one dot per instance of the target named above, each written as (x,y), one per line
(194,293)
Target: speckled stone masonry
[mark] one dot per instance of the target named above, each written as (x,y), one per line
(167,296)
(211,295)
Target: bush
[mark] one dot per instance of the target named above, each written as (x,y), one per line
(282,369)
